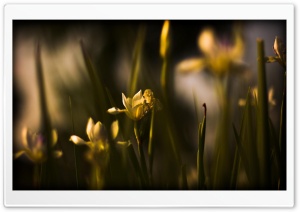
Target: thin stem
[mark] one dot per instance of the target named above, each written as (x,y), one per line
(36,177)
(74,147)
(282,138)
(141,152)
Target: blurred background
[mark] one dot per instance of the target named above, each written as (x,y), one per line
(110,46)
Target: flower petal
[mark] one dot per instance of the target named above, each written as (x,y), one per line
(207,42)
(25,137)
(191,65)
(138,112)
(99,132)
(54,137)
(77,140)
(115,129)
(124,100)
(137,99)
(89,128)
(19,154)
(115,111)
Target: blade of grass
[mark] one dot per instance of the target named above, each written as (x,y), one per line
(263,140)
(242,154)
(141,153)
(282,138)
(150,146)
(183,178)
(248,139)
(136,166)
(101,100)
(137,60)
(45,121)
(74,146)
(200,155)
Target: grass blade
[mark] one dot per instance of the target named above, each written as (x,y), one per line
(263,140)
(200,155)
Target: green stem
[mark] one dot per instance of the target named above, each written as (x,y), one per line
(262,120)
(36,177)
(74,147)
(282,138)
(141,152)
(150,146)
(200,154)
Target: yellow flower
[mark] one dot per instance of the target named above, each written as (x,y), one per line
(137,107)
(133,107)
(35,146)
(271,100)
(218,57)
(98,141)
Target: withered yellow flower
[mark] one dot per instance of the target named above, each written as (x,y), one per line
(280,53)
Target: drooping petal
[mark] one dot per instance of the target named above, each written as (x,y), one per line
(19,154)
(89,129)
(77,140)
(115,111)
(191,65)
(99,132)
(54,137)
(137,99)
(114,129)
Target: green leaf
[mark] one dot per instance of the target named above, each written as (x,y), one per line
(200,154)
(263,140)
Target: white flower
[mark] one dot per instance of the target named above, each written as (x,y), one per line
(133,107)
(97,135)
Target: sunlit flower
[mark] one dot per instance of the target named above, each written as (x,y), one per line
(218,57)
(271,100)
(133,107)
(280,52)
(35,146)
(98,141)
(137,107)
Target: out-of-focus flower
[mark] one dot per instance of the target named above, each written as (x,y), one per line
(280,52)
(271,100)
(165,39)
(137,107)
(35,146)
(98,142)
(218,57)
